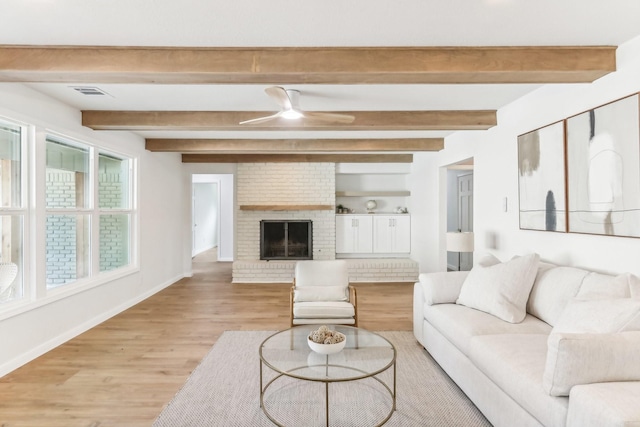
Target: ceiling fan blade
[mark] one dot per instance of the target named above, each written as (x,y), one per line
(260,119)
(280,96)
(329,117)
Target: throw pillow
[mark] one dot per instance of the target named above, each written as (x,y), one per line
(604,286)
(600,316)
(320,293)
(574,359)
(502,289)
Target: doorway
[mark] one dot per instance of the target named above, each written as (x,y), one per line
(460,210)
(212,225)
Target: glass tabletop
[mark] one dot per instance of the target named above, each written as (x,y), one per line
(365,354)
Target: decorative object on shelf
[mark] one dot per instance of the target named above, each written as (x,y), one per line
(325,341)
(401,210)
(339,209)
(460,242)
(371,205)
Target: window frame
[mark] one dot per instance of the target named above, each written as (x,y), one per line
(33,207)
(22,211)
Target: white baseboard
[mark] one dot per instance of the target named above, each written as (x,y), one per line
(72,333)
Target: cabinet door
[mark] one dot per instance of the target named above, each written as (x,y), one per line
(363,234)
(392,234)
(344,234)
(401,235)
(354,234)
(382,229)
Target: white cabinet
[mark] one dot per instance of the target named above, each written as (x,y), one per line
(354,234)
(392,234)
(373,234)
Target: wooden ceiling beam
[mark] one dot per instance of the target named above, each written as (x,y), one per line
(300,65)
(292,145)
(297,158)
(229,120)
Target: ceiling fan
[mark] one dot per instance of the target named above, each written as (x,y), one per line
(288,100)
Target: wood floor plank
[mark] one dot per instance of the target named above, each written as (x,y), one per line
(123,372)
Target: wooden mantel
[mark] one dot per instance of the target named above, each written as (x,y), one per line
(287,207)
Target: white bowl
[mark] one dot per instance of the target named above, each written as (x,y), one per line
(327,348)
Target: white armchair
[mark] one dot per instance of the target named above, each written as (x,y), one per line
(321,294)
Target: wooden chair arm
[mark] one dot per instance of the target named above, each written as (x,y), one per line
(353,299)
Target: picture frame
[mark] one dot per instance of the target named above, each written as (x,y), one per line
(541,179)
(603,169)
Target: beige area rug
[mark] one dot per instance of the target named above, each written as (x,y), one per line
(224,390)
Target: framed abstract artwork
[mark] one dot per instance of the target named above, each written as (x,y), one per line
(603,169)
(541,179)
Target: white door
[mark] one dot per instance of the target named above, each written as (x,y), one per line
(465,215)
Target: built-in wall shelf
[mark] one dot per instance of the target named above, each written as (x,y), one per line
(381,193)
(287,207)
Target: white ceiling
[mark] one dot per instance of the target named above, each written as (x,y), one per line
(240,23)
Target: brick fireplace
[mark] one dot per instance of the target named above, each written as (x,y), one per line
(281,192)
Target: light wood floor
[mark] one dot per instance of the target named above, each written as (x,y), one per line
(122,372)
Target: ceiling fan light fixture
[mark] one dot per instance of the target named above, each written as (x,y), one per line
(291,114)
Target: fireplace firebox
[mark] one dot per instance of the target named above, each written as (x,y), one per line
(286,239)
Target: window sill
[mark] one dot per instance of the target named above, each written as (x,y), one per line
(14,308)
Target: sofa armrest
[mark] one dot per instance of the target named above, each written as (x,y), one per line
(615,404)
(434,288)
(442,288)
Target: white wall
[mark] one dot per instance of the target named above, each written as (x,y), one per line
(29,334)
(427,202)
(496,176)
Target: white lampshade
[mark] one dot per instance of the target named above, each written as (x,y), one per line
(460,242)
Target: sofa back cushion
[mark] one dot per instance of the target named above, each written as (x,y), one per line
(553,288)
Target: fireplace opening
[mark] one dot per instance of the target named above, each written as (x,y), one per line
(286,239)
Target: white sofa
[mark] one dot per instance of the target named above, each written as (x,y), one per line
(557,366)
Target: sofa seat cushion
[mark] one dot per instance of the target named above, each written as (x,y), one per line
(459,324)
(323,310)
(605,405)
(515,363)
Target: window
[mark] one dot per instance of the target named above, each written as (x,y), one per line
(89,211)
(12,212)
(114,200)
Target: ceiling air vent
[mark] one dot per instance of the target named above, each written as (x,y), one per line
(89,90)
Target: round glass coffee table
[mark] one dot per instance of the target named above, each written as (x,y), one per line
(366,355)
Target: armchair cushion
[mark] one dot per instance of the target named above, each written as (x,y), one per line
(320,293)
(322,273)
(323,310)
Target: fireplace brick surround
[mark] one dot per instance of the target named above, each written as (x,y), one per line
(296,185)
